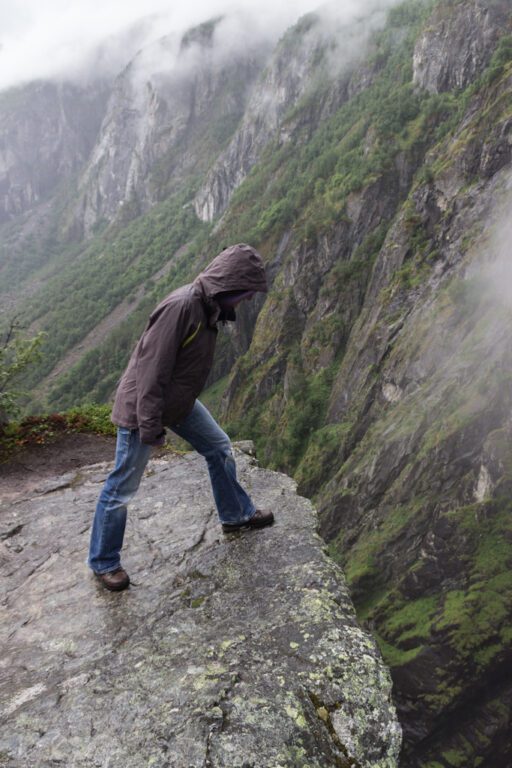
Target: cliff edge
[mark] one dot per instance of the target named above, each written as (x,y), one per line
(239,650)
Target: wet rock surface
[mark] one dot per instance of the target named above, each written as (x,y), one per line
(237,650)
(456,47)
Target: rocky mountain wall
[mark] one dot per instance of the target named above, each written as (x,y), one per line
(320,49)
(391,393)
(163,108)
(422,476)
(47,131)
(458,44)
(121,147)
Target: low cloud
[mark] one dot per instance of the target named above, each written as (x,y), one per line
(346,28)
(76,41)
(486,284)
(498,270)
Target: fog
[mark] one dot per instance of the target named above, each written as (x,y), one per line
(497,269)
(488,275)
(79,41)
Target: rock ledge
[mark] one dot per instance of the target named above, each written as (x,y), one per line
(238,651)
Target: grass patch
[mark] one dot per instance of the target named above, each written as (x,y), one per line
(412,620)
(393,656)
(41,430)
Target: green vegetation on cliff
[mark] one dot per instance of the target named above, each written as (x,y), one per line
(332,164)
(110,270)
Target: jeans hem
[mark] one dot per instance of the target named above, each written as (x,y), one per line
(110,569)
(238,522)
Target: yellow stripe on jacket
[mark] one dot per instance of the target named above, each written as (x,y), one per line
(192,336)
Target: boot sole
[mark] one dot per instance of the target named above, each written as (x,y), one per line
(245,526)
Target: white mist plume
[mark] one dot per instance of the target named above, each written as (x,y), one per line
(489,272)
(77,40)
(68,39)
(498,271)
(229,40)
(353,23)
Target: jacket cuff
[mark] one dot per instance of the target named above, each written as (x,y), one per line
(150,438)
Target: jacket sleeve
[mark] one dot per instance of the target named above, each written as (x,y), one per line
(161,342)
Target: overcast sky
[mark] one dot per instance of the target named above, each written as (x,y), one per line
(59,38)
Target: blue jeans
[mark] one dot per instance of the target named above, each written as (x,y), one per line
(204,434)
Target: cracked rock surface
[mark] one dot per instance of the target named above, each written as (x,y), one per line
(232,651)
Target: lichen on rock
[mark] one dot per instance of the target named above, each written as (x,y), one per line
(232,651)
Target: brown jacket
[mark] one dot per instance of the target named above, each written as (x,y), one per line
(171,362)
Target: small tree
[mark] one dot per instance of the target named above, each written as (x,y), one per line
(16,353)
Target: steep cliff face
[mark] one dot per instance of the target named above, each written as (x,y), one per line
(418,506)
(47,131)
(287,77)
(320,51)
(174,105)
(169,112)
(458,44)
(382,355)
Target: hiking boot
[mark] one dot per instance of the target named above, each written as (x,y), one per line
(114,580)
(261,518)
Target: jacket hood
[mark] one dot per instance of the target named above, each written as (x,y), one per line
(237,268)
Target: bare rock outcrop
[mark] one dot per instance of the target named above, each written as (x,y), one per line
(458,43)
(163,108)
(318,49)
(238,650)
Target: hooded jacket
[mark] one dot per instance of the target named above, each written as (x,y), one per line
(171,362)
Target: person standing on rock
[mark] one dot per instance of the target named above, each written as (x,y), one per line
(165,375)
